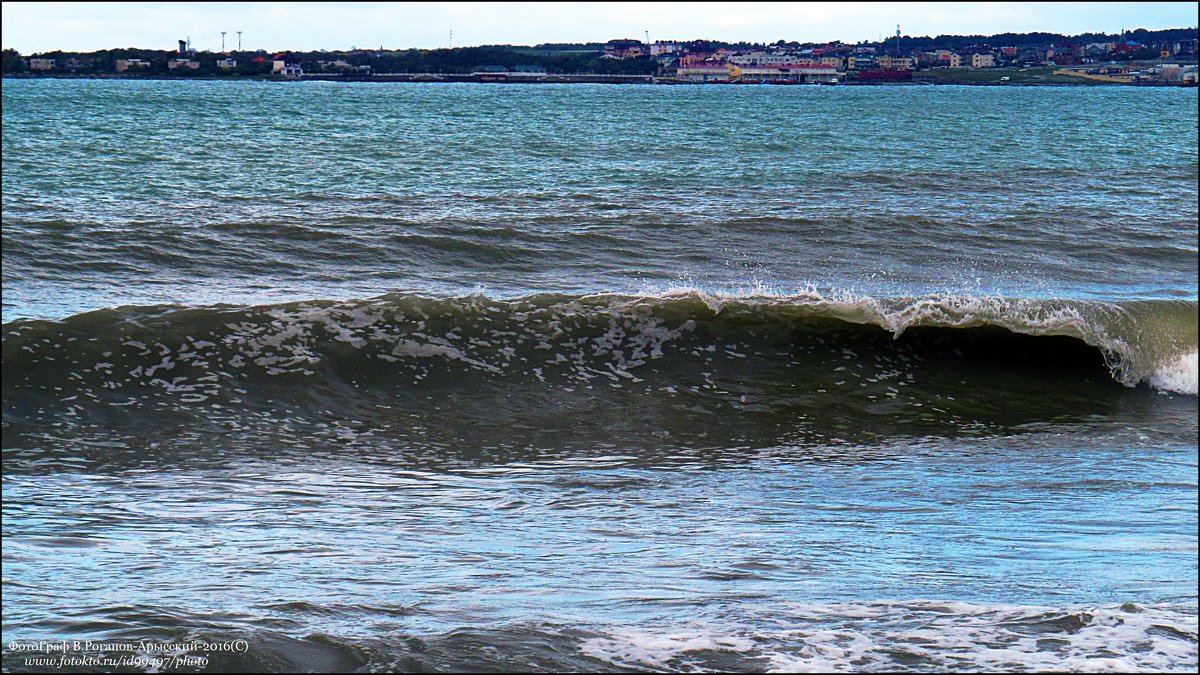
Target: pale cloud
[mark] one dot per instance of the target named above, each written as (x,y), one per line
(31,27)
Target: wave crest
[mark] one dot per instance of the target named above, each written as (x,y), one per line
(581,337)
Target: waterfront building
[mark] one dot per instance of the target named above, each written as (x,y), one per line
(286,68)
(881,75)
(227,64)
(176,64)
(692,59)
(709,71)
(860,61)
(664,48)
(625,48)
(765,59)
(337,64)
(983,61)
(948,59)
(889,62)
(123,65)
(800,74)
(41,64)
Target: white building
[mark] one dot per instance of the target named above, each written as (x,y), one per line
(703,72)
(286,68)
(786,73)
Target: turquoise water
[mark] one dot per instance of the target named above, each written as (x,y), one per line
(252,192)
(487,377)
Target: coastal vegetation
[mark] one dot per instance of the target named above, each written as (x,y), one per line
(566,58)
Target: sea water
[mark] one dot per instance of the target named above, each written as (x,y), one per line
(339,376)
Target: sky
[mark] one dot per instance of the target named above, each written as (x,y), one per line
(32,27)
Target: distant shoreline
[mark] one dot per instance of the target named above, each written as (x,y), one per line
(478,78)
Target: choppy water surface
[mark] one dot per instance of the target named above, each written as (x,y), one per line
(442,377)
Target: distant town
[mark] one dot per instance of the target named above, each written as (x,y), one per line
(1138,57)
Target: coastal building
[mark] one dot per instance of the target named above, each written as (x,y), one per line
(1174,73)
(983,61)
(185,64)
(798,74)
(836,61)
(227,64)
(286,68)
(337,64)
(664,48)
(880,75)
(123,65)
(710,71)
(691,59)
(41,64)
(1068,53)
(765,59)
(625,48)
(889,62)
(948,59)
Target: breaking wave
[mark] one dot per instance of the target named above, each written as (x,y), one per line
(214,354)
(196,351)
(923,636)
(891,636)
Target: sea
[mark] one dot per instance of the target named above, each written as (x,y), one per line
(318,376)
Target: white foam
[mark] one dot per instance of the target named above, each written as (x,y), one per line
(928,635)
(640,649)
(1178,375)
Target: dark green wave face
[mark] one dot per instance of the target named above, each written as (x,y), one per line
(589,378)
(797,366)
(733,370)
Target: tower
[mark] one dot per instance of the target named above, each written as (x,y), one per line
(897,39)
(222,42)
(239,40)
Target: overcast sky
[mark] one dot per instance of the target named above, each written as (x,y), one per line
(36,27)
